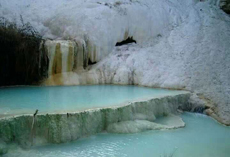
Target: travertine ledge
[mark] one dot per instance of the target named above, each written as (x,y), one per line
(64,127)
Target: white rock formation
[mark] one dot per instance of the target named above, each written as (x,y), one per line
(136,126)
(100,23)
(65,127)
(180,44)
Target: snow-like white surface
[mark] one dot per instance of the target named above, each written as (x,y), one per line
(180,44)
(101,23)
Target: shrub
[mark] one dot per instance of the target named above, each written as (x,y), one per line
(22,60)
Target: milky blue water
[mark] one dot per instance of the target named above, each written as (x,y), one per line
(21,100)
(202,137)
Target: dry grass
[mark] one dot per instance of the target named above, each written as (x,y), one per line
(21,61)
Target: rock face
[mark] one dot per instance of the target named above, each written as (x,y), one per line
(99,24)
(65,56)
(59,128)
(225,5)
(69,56)
(61,56)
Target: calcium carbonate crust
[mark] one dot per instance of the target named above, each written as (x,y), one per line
(180,44)
(65,127)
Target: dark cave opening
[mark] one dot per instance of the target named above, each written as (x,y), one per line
(127,41)
(90,62)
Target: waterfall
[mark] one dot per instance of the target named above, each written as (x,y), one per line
(69,56)
(81,58)
(61,56)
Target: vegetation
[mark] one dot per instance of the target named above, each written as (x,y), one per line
(22,60)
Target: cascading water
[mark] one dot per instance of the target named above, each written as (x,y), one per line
(69,56)
(69,60)
(61,55)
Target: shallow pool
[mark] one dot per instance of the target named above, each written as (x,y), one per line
(202,137)
(22,100)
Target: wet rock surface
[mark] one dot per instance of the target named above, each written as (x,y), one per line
(60,128)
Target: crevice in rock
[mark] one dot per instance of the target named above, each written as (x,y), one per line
(90,62)
(125,42)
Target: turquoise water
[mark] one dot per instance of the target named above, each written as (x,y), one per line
(202,137)
(21,100)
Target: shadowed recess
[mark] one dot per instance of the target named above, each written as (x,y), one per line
(125,42)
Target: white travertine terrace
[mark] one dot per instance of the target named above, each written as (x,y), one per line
(64,127)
